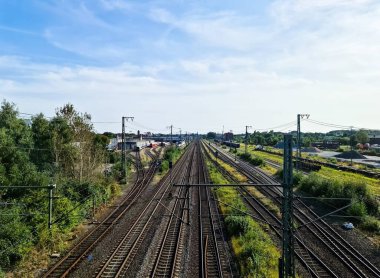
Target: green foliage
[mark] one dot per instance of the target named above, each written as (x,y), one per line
(334,188)
(253,247)
(64,150)
(357,209)
(362,136)
(237,225)
(297,176)
(254,160)
(332,160)
(114,157)
(371,224)
(14,236)
(164,166)
(211,135)
(171,154)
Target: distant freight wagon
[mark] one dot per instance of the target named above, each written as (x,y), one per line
(228,143)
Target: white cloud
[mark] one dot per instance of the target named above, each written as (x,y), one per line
(116,5)
(210,92)
(319,57)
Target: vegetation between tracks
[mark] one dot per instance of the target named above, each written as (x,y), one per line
(325,172)
(256,254)
(227,167)
(364,202)
(172,154)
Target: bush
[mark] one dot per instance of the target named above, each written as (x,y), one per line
(371,224)
(253,247)
(297,176)
(332,160)
(164,166)
(357,209)
(237,225)
(256,161)
(333,188)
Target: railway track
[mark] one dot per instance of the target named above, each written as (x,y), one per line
(302,252)
(167,262)
(122,257)
(150,154)
(347,256)
(79,251)
(315,267)
(214,258)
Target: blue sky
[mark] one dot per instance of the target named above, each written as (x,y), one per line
(198,65)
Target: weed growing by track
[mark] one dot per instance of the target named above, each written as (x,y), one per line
(171,154)
(227,167)
(256,254)
(364,201)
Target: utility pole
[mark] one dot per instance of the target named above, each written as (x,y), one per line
(222,137)
(50,221)
(171,134)
(246,138)
(287,268)
(180,135)
(351,143)
(123,147)
(299,117)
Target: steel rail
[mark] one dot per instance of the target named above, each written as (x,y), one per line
(206,225)
(114,267)
(166,265)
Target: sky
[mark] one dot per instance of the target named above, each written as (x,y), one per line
(198,65)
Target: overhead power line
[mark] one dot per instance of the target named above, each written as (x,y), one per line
(279,126)
(335,125)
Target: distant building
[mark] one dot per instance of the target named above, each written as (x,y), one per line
(113,144)
(28,122)
(132,144)
(228,136)
(332,145)
(374,140)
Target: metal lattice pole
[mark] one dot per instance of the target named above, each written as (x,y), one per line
(288,269)
(123,156)
(246,138)
(299,143)
(123,148)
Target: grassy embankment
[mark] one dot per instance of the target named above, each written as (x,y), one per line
(255,252)
(332,160)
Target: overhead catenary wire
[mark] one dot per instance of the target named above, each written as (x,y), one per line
(292,123)
(346,127)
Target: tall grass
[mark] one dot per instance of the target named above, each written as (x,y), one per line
(256,254)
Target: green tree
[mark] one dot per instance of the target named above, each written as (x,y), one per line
(42,153)
(211,135)
(362,136)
